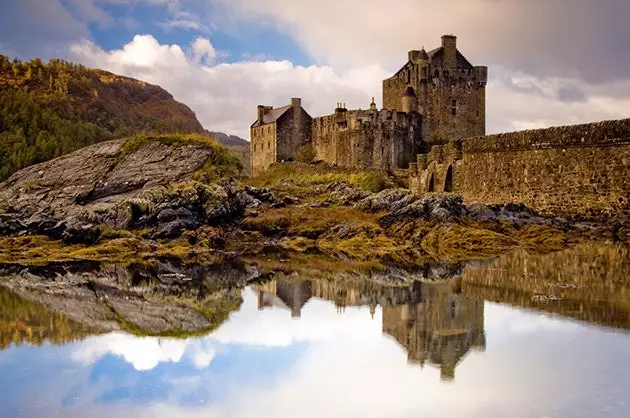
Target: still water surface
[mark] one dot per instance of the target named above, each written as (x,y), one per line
(468,346)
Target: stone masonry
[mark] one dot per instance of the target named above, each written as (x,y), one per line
(433,123)
(436,95)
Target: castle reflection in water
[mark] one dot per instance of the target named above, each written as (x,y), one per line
(432,321)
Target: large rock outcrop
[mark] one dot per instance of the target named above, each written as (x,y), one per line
(122,183)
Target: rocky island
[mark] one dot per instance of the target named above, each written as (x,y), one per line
(152,232)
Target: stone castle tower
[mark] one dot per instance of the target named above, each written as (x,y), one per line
(445,88)
(435,97)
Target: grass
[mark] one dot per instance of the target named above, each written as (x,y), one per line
(318,174)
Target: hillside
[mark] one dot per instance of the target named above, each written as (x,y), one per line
(230,140)
(50,109)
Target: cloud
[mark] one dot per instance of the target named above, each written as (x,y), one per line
(349,368)
(142,353)
(225,95)
(560,38)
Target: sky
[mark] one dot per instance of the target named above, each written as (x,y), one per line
(326,363)
(550,62)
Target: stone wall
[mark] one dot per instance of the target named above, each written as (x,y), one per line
(280,139)
(572,170)
(588,282)
(367,139)
(452,101)
(294,131)
(263,147)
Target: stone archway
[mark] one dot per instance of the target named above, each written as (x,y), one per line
(448,183)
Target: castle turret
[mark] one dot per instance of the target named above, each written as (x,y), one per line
(449,43)
(409,100)
(373,105)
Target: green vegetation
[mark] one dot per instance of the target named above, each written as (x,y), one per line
(317,174)
(47,110)
(242,153)
(22,322)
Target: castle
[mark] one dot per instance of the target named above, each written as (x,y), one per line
(436,95)
(432,321)
(433,125)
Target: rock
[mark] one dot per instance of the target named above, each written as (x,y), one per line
(9,225)
(481,212)
(343,194)
(105,183)
(288,200)
(430,207)
(384,200)
(277,205)
(87,234)
(107,298)
(168,215)
(174,229)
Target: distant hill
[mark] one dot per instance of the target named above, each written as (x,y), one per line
(50,109)
(237,146)
(230,140)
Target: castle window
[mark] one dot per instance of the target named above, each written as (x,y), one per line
(268,145)
(454,107)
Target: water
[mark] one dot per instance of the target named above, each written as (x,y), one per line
(522,335)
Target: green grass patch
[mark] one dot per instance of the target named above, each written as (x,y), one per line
(319,174)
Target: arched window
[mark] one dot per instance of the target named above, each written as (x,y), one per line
(431,184)
(448,184)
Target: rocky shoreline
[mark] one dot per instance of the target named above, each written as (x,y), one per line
(165,195)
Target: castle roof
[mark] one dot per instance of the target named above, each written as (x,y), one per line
(435,55)
(272,115)
(462,62)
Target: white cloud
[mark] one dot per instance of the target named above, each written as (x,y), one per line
(203,50)
(348,368)
(225,95)
(142,353)
(541,37)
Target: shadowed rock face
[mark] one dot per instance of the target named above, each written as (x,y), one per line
(165,299)
(106,184)
(98,176)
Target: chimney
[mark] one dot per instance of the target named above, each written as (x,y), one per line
(261,113)
(296,101)
(449,43)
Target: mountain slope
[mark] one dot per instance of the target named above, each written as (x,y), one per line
(47,110)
